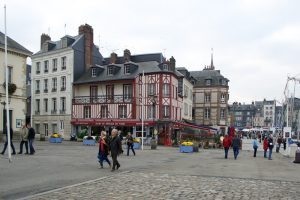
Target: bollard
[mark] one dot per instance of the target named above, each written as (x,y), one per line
(297,154)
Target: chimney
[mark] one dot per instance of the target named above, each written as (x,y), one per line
(87,31)
(113,58)
(127,55)
(172,63)
(44,38)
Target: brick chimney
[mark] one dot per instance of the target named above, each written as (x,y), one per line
(87,31)
(172,63)
(44,38)
(113,58)
(127,55)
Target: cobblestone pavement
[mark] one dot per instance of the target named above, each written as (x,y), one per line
(143,185)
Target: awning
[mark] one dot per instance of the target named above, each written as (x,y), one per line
(196,126)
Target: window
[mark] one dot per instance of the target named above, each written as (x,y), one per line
(166,90)
(87,112)
(62,125)
(122,111)
(54,65)
(208,82)
(46,105)
(166,111)
(45,85)
(190,110)
(151,89)
(110,92)
(37,104)
(94,72)
(54,84)
(110,70)
(63,83)
(127,69)
(37,86)
(62,105)
(63,63)
(46,66)
(127,91)
(207,98)
(46,129)
(93,93)
(223,98)
(222,114)
(10,74)
(207,113)
(186,91)
(37,128)
(38,68)
(186,109)
(104,111)
(53,111)
(165,67)
(151,112)
(54,128)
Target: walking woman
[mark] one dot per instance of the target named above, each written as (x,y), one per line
(103,149)
(255,146)
(129,139)
(115,148)
(265,147)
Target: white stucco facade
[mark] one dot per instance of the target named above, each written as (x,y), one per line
(187,93)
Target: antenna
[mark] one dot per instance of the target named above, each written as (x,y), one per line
(65,29)
(99,41)
(49,30)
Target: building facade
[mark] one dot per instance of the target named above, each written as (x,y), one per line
(117,95)
(16,61)
(211,94)
(54,69)
(244,115)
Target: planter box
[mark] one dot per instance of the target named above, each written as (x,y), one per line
(89,142)
(55,140)
(136,145)
(186,149)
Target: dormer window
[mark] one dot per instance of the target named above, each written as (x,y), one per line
(127,69)
(165,67)
(110,70)
(208,82)
(94,72)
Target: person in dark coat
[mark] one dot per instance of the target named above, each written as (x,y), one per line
(115,148)
(236,144)
(24,139)
(129,139)
(31,136)
(270,145)
(6,142)
(103,149)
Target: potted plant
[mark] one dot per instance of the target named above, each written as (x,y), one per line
(55,138)
(186,147)
(136,143)
(89,140)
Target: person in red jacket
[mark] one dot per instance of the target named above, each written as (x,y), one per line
(265,146)
(226,145)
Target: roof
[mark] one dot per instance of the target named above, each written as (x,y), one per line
(214,75)
(13,45)
(158,57)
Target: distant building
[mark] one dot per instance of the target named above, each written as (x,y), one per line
(244,115)
(54,69)
(16,61)
(211,94)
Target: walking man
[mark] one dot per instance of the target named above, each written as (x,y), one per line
(24,139)
(130,144)
(103,149)
(226,145)
(236,143)
(115,148)
(6,142)
(270,145)
(31,136)
(255,146)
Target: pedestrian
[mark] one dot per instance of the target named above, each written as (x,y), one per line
(236,144)
(255,146)
(24,139)
(270,145)
(6,141)
(226,145)
(121,138)
(284,143)
(265,146)
(115,148)
(129,140)
(103,149)
(31,136)
(279,141)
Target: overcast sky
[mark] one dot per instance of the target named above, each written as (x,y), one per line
(256,42)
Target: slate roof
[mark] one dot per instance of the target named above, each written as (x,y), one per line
(214,75)
(13,45)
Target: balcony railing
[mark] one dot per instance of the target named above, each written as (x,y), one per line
(38,72)
(103,99)
(37,91)
(45,90)
(37,112)
(53,111)
(63,89)
(53,90)
(62,112)
(54,69)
